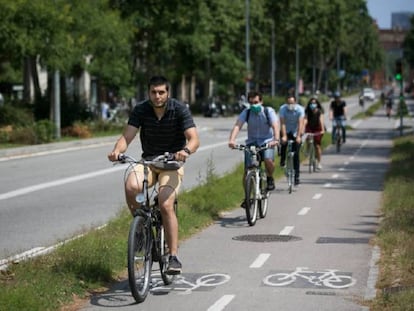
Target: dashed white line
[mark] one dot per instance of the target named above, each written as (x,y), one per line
(286,230)
(304,211)
(327,185)
(317,196)
(260,260)
(221,303)
(335,176)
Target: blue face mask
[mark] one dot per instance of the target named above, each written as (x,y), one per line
(313,106)
(256,108)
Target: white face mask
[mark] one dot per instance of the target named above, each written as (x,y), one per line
(291,106)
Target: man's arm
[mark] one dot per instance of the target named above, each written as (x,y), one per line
(123,142)
(234,132)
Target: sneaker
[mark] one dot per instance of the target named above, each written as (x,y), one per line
(319,166)
(297,181)
(174,266)
(270,184)
(282,164)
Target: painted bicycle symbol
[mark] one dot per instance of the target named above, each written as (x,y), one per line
(325,278)
(186,286)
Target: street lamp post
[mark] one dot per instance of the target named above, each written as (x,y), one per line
(248,75)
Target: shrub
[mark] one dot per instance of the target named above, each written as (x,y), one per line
(78,129)
(44,130)
(10,115)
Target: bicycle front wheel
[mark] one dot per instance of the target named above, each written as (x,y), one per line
(263,202)
(164,251)
(250,198)
(290,173)
(139,258)
(338,140)
(312,161)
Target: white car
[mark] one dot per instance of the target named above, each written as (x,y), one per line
(368,94)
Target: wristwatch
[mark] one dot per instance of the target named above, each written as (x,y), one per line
(187,150)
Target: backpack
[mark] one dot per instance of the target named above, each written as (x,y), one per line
(266,110)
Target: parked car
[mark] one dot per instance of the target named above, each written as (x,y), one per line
(368,94)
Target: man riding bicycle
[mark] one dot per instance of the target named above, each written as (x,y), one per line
(262,128)
(165,125)
(337,114)
(292,119)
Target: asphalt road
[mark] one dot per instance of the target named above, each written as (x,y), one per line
(326,225)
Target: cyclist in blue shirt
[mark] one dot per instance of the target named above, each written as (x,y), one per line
(262,128)
(292,120)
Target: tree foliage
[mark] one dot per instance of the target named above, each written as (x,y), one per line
(122,42)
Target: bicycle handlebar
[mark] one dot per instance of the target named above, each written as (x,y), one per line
(258,148)
(164,158)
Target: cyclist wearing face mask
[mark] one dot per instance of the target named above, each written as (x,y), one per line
(314,124)
(292,117)
(262,128)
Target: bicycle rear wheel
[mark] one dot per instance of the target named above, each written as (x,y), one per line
(263,202)
(139,258)
(250,198)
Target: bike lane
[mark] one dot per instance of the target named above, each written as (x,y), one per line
(325,226)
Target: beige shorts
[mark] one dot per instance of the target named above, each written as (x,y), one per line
(168,178)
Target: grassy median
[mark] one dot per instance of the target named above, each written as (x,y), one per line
(91,263)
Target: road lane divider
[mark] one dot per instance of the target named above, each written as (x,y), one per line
(304,211)
(260,260)
(286,230)
(221,303)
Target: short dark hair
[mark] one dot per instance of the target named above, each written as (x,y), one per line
(158,80)
(291,95)
(252,94)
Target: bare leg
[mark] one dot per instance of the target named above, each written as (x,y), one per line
(166,199)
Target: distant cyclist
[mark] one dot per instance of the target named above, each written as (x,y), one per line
(337,114)
(314,124)
(262,128)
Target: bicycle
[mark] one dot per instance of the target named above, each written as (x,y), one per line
(311,150)
(289,168)
(146,239)
(338,139)
(255,184)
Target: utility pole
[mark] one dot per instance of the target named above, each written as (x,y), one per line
(248,74)
(273,70)
(56,101)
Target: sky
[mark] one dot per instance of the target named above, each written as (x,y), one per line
(381,10)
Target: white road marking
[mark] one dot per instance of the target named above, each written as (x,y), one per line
(286,230)
(346,163)
(260,260)
(327,185)
(221,303)
(59,182)
(335,175)
(317,196)
(341,169)
(304,211)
